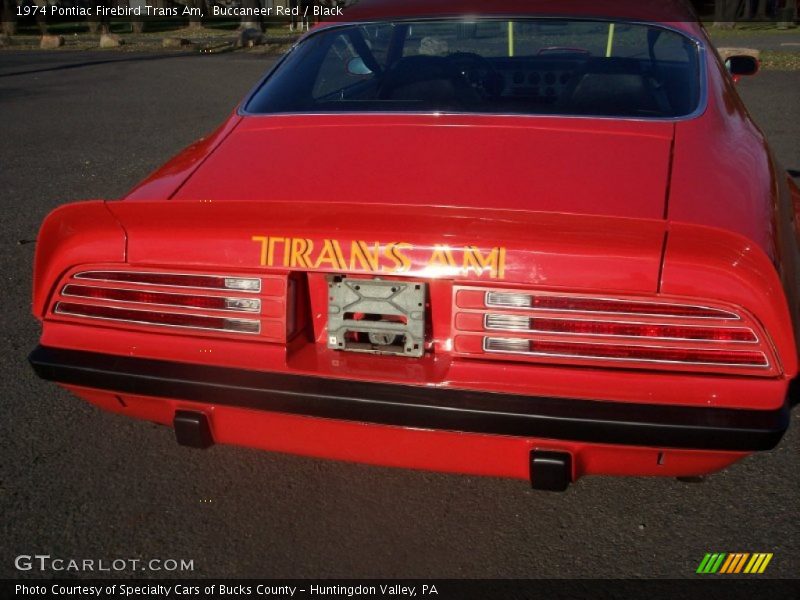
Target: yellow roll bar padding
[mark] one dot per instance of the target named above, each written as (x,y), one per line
(610,46)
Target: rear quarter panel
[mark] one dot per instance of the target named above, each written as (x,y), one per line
(74,234)
(722,173)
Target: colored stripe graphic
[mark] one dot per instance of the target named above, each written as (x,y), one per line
(732,559)
(711,563)
(741,563)
(765,563)
(703,564)
(734,563)
(758,564)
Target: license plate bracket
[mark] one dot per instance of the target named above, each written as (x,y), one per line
(376,316)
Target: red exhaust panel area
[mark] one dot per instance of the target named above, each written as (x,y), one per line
(239,306)
(655,334)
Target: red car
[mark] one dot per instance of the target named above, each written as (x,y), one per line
(527,239)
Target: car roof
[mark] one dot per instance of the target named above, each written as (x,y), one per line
(674,12)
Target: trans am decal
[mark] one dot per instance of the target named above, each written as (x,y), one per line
(391,258)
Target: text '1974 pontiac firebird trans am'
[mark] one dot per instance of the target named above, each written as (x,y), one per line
(529,239)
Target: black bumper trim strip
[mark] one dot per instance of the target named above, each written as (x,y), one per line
(700,428)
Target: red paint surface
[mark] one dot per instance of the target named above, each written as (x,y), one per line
(611,168)
(442,451)
(683,211)
(543,249)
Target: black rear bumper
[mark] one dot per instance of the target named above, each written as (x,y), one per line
(658,426)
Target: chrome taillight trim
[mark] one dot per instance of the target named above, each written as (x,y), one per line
(84,275)
(487,340)
(490,301)
(512,345)
(250,323)
(255,305)
(513,322)
(256,302)
(514,300)
(489,327)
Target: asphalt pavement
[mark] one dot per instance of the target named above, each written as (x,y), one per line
(769,40)
(76,482)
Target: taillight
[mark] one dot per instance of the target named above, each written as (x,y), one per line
(207,282)
(622,332)
(625,352)
(603,305)
(165,299)
(146,317)
(657,331)
(226,304)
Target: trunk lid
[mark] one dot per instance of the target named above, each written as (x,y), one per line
(578,166)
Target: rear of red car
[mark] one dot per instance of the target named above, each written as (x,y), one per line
(455,290)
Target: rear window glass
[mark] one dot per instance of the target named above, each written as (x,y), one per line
(547,66)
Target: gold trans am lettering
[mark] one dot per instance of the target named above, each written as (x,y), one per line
(380,258)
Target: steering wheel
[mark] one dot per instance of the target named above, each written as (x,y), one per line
(479,72)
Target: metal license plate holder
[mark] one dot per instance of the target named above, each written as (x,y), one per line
(376,316)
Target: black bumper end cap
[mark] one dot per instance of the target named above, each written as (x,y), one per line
(192,429)
(551,471)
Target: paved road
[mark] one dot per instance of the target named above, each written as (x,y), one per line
(772,40)
(76,482)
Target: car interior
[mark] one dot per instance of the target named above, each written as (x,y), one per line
(566,85)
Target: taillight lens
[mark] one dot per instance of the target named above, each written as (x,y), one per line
(206,282)
(603,305)
(165,299)
(146,317)
(624,352)
(658,331)
(226,304)
(622,332)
